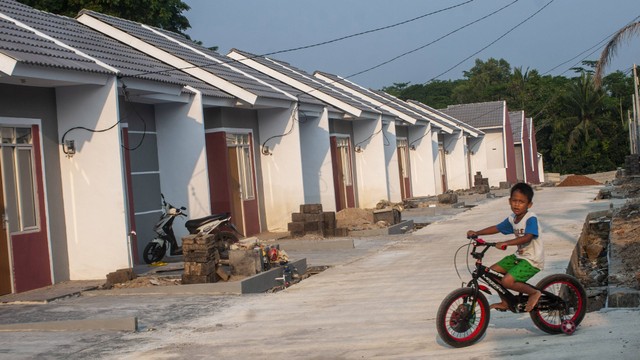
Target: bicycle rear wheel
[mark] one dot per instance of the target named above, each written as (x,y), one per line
(569,305)
(462,319)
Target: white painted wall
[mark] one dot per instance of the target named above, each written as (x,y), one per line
(477,147)
(422,164)
(93,181)
(394,193)
(281,171)
(496,162)
(317,170)
(457,173)
(370,163)
(184,178)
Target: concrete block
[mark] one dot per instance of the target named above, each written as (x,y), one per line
(341,232)
(296,227)
(311,208)
(297,217)
(316,217)
(196,239)
(244,262)
(448,198)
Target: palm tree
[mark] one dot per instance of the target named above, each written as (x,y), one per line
(612,46)
(584,101)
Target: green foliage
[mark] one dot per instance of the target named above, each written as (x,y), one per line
(580,128)
(165,14)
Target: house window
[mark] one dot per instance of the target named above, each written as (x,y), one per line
(345,158)
(241,143)
(18,179)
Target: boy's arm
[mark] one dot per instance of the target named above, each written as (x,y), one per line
(486,231)
(517,241)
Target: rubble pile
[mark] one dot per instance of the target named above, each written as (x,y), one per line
(578,180)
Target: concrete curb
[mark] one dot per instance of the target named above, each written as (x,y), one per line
(115,324)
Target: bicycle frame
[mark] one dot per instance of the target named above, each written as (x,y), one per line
(517,303)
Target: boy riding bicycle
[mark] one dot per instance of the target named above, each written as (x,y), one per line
(528,260)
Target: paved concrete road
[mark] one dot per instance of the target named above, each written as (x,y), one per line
(380,305)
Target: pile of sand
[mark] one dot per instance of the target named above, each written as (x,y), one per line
(578,180)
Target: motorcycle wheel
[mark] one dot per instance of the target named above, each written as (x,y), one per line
(458,321)
(223,241)
(153,252)
(548,316)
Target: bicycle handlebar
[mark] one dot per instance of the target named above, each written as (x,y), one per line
(477,241)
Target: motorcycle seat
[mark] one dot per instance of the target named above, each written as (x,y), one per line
(193,224)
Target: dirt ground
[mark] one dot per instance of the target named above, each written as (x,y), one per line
(578,180)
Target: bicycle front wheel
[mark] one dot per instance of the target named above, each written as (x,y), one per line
(462,318)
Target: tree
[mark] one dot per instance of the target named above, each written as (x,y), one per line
(584,103)
(487,81)
(612,47)
(164,14)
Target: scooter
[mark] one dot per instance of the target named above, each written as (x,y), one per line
(218,224)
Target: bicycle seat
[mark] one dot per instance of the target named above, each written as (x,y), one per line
(193,224)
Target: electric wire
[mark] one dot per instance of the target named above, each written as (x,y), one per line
(304,47)
(494,41)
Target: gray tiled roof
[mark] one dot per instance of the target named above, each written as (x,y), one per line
(28,48)
(130,62)
(392,102)
(479,115)
(225,72)
(461,124)
(307,79)
(515,118)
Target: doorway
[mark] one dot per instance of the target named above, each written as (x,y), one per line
(342,172)
(24,247)
(404,167)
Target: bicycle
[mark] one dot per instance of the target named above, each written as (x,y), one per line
(463,315)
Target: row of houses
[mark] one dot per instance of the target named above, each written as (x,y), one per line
(100,115)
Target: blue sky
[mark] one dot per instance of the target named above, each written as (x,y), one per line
(558,33)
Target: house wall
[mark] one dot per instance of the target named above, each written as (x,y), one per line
(370,174)
(422,164)
(520,161)
(390,130)
(477,147)
(184,177)
(495,156)
(317,172)
(456,161)
(93,182)
(281,171)
(40,103)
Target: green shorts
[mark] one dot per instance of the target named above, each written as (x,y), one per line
(520,269)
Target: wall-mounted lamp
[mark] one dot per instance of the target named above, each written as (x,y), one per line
(412,147)
(358,148)
(69,148)
(446,152)
(266,150)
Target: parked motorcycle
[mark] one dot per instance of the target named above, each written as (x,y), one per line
(218,224)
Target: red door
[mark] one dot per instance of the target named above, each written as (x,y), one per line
(232,179)
(23,207)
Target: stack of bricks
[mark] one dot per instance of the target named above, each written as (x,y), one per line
(312,220)
(480,184)
(201,259)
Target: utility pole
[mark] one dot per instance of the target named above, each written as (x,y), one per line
(636,109)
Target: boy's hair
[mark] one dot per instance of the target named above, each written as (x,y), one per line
(524,189)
